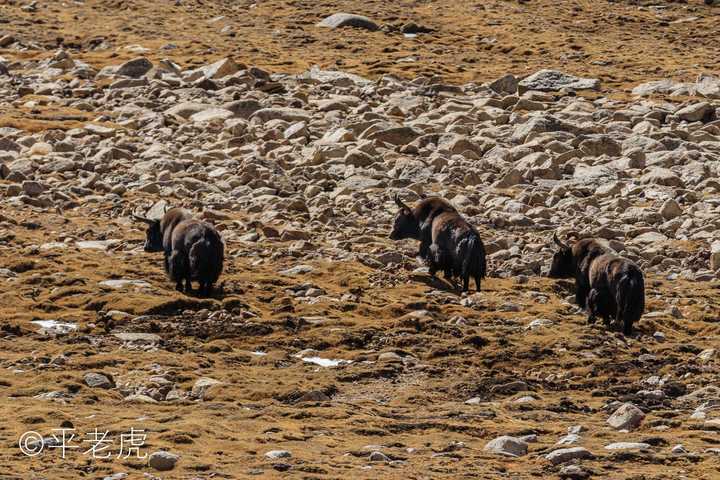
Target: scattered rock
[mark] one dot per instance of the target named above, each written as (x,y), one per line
(626,417)
(98,380)
(203,385)
(564,455)
(628,446)
(135,68)
(339,20)
(163,461)
(553,80)
(276,454)
(506,445)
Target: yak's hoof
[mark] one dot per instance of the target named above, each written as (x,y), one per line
(179,287)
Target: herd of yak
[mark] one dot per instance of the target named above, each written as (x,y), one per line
(606,285)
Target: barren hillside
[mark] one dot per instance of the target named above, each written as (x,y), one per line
(327,350)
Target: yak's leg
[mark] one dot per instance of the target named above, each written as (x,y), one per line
(466,283)
(593,301)
(178,269)
(433,259)
(432,267)
(465,269)
(624,320)
(582,289)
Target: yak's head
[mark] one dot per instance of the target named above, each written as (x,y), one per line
(405,225)
(153,234)
(562,262)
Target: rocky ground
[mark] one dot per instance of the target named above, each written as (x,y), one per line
(328,352)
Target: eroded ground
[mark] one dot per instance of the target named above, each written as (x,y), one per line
(411,406)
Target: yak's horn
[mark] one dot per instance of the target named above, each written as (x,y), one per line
(142,219)
(558,242)
(400,202)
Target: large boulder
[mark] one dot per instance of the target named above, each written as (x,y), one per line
(563,455)
(626,417)
(553,80)
(135,68)
(708,86)
(508,446)
(696,112)
(662,176)
(220,69)
(338,20)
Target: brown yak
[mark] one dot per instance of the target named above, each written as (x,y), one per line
(193,249)
(447,241)
(607,285)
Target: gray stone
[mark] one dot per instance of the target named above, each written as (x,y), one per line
(715,255)
(678,449)
(140,338)
(708,86)
(626,417)
(564,455)
(378,457)
(574,472)
(662,176)
(135,68)
(220,69)
(628,446)
(396,135)
(122,282)
(506,445)
(203,386)
(553,80)
(695,112)
(276,454)
(670,209)
(33,188)
(139,398)
(511,178)
(656,87)
(163,461)
(650,238)
(281,113)
(211,114)
(187,109)
(98,380)
(339,20)
(507,84)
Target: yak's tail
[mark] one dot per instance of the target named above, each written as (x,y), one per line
(630,299)
(474,263)
(206,261)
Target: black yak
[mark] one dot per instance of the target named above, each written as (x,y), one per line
(193,249)
(606,285)
(416,222)
(447,241)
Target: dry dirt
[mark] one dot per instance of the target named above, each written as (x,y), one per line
(418,402)
(413,408)
(621,42)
